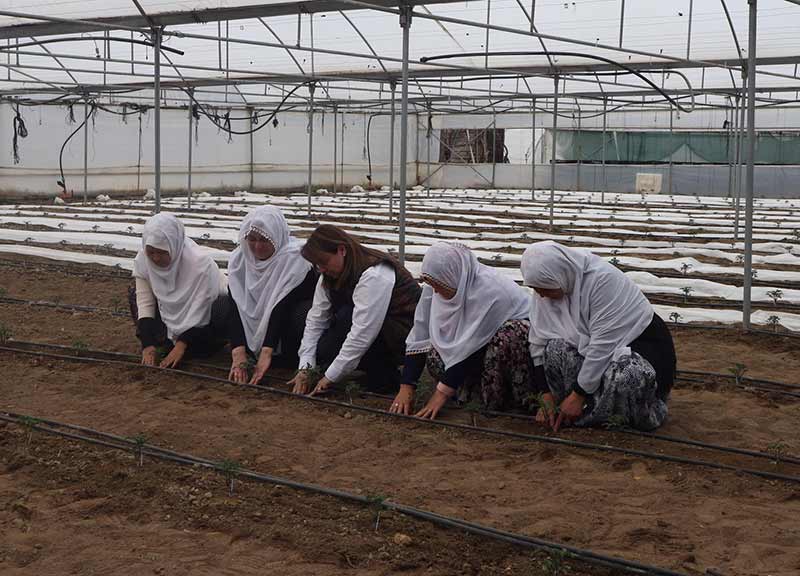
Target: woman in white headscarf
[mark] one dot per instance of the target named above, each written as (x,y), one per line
(272,287)
(179,297)
(600,351)
(471,328)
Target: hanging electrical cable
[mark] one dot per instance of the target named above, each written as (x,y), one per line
(20,131)
(63,182)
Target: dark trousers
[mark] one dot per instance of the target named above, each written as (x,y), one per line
(379,362)
(292,335)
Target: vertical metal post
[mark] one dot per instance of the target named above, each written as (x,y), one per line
(671,137)
(533,14)
(604,188)
(533,149)
(736,149)
(85,149)
(428,136)
(553,158)
(742,157)
(311,89)
(393,86)
(621,22)
(689,34)
(729,131)
(751,151)
(335,142)
(405,24)
(189,167)
(494,148)
(252,150)
(579,149)
(157,114)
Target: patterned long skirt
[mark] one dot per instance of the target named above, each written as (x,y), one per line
(627,391)
(506,381)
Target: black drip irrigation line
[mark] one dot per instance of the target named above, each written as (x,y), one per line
(88,435)
(436,423)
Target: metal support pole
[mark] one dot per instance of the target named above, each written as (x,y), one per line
(393,86)
(736,150)
(729,131)
(252,150)
(157,114)
(604,188)
(579,150)
(335,142)
(533,149)
(671,138)
(553,158)
(494,149)
(85,150)
(689,34)
(742,157)
(621,22)
(311,89)
(405,24)
(428,150)
(189,166)
(751,151)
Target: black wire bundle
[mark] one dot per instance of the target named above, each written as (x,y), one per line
(20,131)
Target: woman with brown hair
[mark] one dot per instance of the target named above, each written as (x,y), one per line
(362,313)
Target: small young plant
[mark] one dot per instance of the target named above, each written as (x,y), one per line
(80,345)
(29,423)
(686,290)
(548,406)
(775,322)
(474,407)
(5,333)
(353,390)
(553,565)
(230,469)
(376,503)
(313,374)
(3,292)
(738,371)
(777,450)
(139,440)
(776,295)
(614,261)
(675,317)
(685,267)
(615,422)
(754,274)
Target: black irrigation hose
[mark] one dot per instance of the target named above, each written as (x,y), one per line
(438,423)
(63,181)
(125,444)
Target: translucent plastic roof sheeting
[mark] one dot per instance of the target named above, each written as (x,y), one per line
(654,27)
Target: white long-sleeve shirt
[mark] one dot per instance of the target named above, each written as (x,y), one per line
(371,298)
(146,302)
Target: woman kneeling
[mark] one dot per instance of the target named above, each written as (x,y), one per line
(601,354)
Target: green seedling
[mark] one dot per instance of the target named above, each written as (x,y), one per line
(738,371)
(776,295)
(548,406)
(553,565)
(777,450)
(754,274)
(313,374)
(230,469)
(615,422)
(3,292)
(139,440)
(474,407)
(675,317)
(686,291)
(80,345)
(614,261)
(775,322)
(5,333)
(353,389)
(376,501)
(685,267)
(29,423)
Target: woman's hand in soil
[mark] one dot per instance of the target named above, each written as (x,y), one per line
(570,410)
(547,410)
(301,383)
(238,371)
(149,356)
(175,356)
(321,386)
(436,402)
(404,401)
(264,362)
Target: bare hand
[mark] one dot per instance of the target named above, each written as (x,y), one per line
(238,371)
(175,356)
(264,362)
(321,386)
(570,410)
(404,401)
(301,383)
(435,403)
(149,356)
(547,412)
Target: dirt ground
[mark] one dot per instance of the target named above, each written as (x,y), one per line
(97,514)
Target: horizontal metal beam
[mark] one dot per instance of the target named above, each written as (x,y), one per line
(180,17)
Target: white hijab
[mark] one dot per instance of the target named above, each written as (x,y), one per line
(186,289)
(601,313)
(485,299)
(257,286)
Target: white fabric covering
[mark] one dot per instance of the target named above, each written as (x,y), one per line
(484,300)
(186,289)
(371,298)
(257,286)
(601,313)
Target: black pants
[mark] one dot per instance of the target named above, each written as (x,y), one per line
(379,361)
(292,335)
